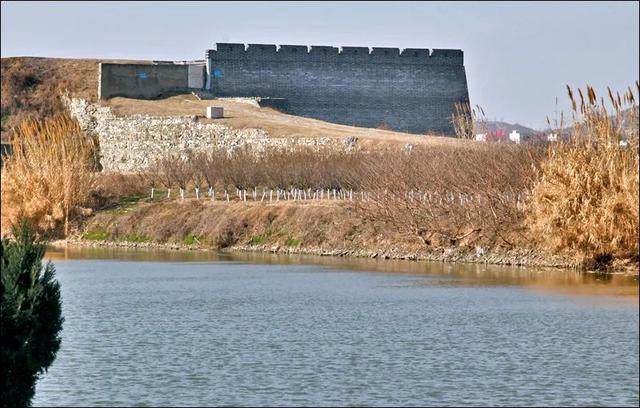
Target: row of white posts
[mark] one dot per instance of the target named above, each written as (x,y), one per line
(295,194)
(270,195)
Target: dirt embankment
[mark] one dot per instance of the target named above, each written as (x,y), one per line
(331,228)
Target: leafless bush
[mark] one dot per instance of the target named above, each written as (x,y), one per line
(110,188)
(449,195)
(303,168)
(452,194)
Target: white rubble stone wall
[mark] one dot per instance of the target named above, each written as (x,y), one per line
(133,143)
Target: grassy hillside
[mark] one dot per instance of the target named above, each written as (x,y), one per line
(31,86)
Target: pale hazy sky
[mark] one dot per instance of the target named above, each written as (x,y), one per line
(518,56)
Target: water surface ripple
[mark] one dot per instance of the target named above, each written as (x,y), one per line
(244,333)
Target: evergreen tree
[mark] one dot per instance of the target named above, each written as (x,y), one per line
(31,316)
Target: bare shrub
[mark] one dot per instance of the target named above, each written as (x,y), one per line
(228,234)
(49,175)
(453,195)
(177,170)
(450,195)
(244,168)
(586,196)
(110,188)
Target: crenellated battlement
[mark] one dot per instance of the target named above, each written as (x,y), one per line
(375,55)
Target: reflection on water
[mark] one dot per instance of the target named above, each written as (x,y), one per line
(561,281)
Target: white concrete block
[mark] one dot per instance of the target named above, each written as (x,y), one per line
(214,112)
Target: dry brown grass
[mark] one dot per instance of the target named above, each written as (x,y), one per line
(586,198)
(49,174)
(31,87)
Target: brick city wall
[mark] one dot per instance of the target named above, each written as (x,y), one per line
(413,90)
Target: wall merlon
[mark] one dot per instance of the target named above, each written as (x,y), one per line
(263,51)
(415,53)
(383,51)
(293,53)
(447,57)
(229,48)
(324,50)
(354,54)
(290,49)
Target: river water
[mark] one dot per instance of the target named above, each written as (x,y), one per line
(175,328)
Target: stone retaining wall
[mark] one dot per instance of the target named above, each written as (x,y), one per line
(133,143)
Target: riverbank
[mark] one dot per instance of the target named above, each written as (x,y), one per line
(322,229)
(516,257)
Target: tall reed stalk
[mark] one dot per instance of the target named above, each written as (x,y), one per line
(585,199)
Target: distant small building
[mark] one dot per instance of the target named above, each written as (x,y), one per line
(552,137)
(514,136)
(481,137)
(497,135)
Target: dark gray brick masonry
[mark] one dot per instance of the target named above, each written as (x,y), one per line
(412,91)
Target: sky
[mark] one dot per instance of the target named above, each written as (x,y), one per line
(518,56)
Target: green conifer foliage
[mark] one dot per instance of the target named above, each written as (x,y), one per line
(31,316)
